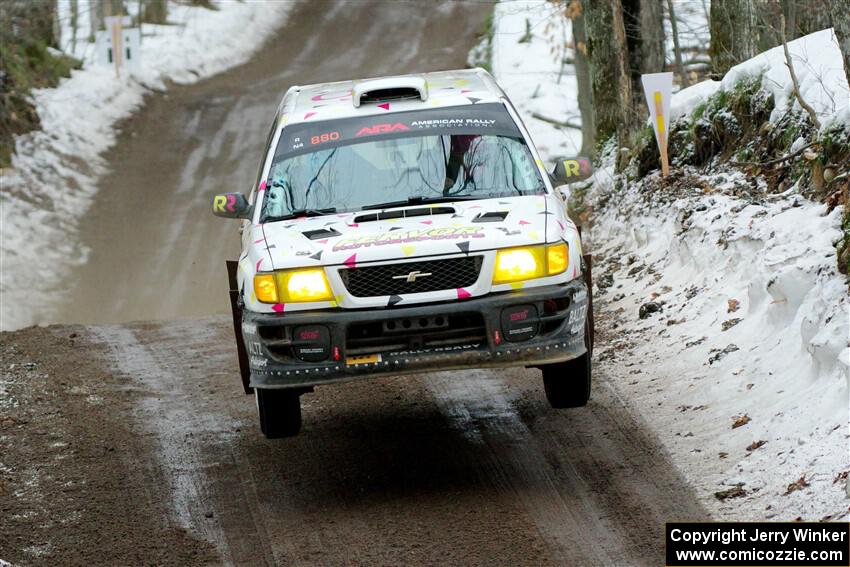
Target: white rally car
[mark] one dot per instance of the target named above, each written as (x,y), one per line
(399,225)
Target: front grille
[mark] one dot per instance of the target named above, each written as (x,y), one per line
(391,279)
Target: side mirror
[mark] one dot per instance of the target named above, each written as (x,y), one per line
(231,206)
(571,170)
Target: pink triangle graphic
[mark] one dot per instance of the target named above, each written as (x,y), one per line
(354,225)
(385,106)
(278,307)
(351,261)
(524,222)
(262,186)
(260,261)
(427,222)
(465,91)
(309,114)
(462,293)
(324,241)
(259,240)
(561,225)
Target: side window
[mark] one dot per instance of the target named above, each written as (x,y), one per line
(263,160)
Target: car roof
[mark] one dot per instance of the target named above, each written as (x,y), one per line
(363,97)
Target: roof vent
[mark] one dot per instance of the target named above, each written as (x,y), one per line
(389,88)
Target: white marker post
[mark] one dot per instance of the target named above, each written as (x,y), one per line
(658,88)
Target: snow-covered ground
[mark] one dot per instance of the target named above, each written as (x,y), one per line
(54,171)
(743,374)
(817,64)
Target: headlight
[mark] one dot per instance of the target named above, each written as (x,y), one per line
(529,262)
(293,286)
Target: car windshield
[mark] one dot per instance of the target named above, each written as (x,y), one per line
(346,165)
(350,177)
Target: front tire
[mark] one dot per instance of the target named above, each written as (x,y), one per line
(279,412)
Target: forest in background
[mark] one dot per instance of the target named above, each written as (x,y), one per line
(614,42)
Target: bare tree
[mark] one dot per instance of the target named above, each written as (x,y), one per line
(677,51)
(154,11)
(582,66)
(841,26)
(75,16)
(610,77)
(796,84)
(733,33)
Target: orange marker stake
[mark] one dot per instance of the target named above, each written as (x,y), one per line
(662,138)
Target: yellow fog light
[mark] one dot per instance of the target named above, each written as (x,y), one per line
(557,258)
(265,288)
(304,285)
(516,264)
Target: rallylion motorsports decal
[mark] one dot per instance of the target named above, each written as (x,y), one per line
(490,118)
(388,238)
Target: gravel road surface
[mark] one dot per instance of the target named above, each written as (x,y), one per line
(132,443)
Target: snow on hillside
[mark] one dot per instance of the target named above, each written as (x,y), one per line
(54,171)
(819,70)
(743,370)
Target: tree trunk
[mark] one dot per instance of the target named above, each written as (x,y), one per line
(651,34)
(154,11)
(841,26)
(75,18)
(612,93)
(811,16)
(684,81)
(95,19)
(585,90)
(603,72)
(734,35)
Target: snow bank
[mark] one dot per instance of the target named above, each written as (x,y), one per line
(527,53)
(819,69)
(754,323)
(54,171)
(765,271)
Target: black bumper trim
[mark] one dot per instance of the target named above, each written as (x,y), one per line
(563,343)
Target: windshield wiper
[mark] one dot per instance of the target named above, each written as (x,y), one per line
(301,213)
(420,200)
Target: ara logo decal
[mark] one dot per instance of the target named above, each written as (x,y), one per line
(399,237)
(381,129)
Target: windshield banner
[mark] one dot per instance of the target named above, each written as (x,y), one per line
(485,119)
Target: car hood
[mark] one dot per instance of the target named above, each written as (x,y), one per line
(445,228)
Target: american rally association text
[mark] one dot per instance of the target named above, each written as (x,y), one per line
(725,537)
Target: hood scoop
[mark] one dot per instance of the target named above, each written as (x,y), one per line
(321,233)
(491,216)
(405,213)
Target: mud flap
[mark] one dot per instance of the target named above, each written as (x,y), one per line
(242,354)
(588,280)
(587,261)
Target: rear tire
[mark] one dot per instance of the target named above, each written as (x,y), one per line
(567,384)
(279,411)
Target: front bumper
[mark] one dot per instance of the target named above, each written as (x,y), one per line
(546,323)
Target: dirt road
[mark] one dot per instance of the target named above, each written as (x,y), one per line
(134,444)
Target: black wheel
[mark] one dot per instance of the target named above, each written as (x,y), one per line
(280,412)
(567,384)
